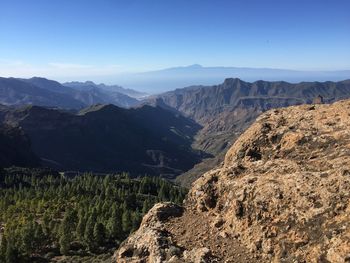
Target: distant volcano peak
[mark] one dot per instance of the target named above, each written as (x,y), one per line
(195,66)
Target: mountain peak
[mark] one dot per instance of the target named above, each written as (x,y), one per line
(194,66)
(229,81)
(100,108)
(89,82)
(38,78)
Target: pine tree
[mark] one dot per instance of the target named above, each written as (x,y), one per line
(39,236)
(99,234)
(81,227)
(146,206)
(126,221)
(27,239)
(66,230)
(69,221)
(89,232)
(46,222)
(136,220)
(64,243)
(163,194)
(114,225)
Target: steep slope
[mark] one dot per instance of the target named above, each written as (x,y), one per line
(226,110)
(106,138)
(282,195)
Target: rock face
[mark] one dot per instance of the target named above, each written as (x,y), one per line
(152,242)
(281,195)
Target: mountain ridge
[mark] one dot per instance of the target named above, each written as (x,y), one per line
(227,109)
(114,88)
(50,93)
(107,138)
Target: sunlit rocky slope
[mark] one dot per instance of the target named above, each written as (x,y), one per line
(281,195)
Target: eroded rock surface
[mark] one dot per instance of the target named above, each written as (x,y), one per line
(282,195)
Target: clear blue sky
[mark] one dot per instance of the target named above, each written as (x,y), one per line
(106,36)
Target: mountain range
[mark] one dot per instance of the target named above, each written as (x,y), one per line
(44,92)
(106,138)
(226,110)
(89,85)
(180,133)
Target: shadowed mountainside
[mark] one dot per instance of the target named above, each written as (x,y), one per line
(106,138)
(16,148)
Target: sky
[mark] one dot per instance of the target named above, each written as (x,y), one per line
(89,39)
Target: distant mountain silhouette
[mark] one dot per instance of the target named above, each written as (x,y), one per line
(18,92)
(89,85)
(177,77)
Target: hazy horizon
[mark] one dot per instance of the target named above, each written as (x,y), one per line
(101,40)
(158,81)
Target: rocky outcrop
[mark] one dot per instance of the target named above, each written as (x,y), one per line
(281,195)
(152,243)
